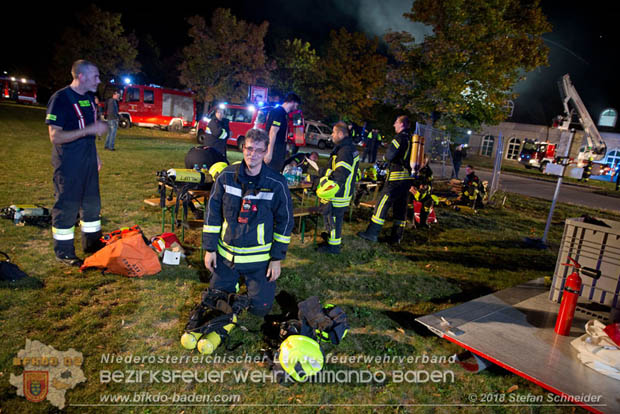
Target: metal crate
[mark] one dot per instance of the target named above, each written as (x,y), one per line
(593,246)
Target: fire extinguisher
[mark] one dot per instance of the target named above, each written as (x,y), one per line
(572,287)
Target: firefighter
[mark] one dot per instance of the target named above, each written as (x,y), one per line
(372,144)
(473,190)
(396,189)
(218,132)
(276,127)
(72,124)
(203,157)
(587,170)
(617,174)
(248,225)
(303,160)
(337,185)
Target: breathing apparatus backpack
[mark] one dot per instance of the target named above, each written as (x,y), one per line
(211,321)
(22,214)
(300,355)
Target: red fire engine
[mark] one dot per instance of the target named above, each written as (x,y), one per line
(21,90)
(154,106)
(536,154)
(242,117)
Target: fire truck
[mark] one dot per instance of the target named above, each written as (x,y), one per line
(536,154)
(155,106)
(595,148)
(20,90)
(242,117)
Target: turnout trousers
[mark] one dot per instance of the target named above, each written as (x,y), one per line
(261,291)
(395,195)
(77,193)
(333,217)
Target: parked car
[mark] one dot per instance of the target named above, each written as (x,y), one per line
(318,134)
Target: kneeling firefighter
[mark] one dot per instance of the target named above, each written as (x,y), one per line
(337,185)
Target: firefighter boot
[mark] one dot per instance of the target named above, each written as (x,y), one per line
(371,233)
(397,233)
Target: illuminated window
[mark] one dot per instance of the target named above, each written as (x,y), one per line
(613,157)
(487,145)
(608,118)
(514,147)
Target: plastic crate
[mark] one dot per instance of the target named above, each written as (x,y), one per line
(593,246)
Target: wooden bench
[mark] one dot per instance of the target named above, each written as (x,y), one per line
(303,213)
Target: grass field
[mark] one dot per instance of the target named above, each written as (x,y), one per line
(382,290)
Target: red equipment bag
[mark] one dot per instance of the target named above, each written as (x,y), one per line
(127,254)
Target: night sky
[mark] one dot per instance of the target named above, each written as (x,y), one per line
(584,40)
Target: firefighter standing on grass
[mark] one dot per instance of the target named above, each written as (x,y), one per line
(336,187)
(248,224)
(72,124)
(396,189)
(218,132)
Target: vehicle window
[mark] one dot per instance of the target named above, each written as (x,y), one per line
(149,96)
(242,115)
(312,129)
(261,117)
(133,95)
(325,130)
(297,119)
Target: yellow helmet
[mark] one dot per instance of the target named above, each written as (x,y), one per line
(217,168)
(301,357)
(327,188)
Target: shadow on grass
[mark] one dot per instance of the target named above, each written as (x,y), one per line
(473,255)
(407,320)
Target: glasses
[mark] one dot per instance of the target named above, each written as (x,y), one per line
(251,150)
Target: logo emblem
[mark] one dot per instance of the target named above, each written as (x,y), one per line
(36,385)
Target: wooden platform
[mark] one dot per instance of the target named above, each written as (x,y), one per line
(154,202)
(514,328)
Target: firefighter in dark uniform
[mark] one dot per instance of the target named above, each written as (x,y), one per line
(218,132)
(396,189)
(303,160)
(587,170)
(276,127)
(73,126)
(248,225)
(422,191)
(337,186)
(473,190)
(203,157)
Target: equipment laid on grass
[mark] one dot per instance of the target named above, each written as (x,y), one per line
(9,271)
(27,214)
(126,255)
(300,356)
(211,321)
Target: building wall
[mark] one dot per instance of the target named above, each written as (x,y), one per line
(519,132)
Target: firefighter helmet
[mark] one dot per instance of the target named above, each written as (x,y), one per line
(327,188)
(301,357)
(217,168)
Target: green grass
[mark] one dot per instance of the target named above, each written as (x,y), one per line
(382,290)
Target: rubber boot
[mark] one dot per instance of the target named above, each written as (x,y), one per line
(397,234)
(371,233)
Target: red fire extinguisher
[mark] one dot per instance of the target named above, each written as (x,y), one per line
(572,287)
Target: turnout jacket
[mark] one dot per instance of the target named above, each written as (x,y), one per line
(397,155)
(249,219)
(343,165)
